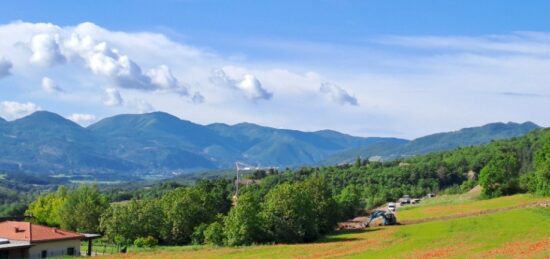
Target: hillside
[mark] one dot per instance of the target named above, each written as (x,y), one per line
(159,144)
(509,226)
(438,142)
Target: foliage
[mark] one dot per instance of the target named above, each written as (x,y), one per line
(85,205)
(301,205)
(349,201)
(148,241)
(128,221)
(213,234)
(288,214)
(500,176)
(242,224)
(47,209)
(542,166)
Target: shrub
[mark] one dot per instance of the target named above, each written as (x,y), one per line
(148,241)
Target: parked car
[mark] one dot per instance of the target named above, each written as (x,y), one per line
(406,199)
(391,206)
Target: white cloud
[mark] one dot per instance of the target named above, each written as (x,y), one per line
(13,110)
(440,81)
(45,50)
(5,67)
(249,85)
(338,94)
(112,97)
(519,42)
(49,85)
(163,78)
(56,45)
(141,106)
(82,118)
(197,98)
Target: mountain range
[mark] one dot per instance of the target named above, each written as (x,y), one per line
(159,144)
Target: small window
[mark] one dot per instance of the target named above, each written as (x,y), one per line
(70,251)
(44,253)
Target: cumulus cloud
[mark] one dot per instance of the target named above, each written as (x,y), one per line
(49,85)
(13,110)
(163,78)
(102,60)
(82,118)
(45,50)
(249,85)
(5,67)
(338,94)
(112,97)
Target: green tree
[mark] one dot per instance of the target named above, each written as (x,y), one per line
(213,234)
(542,169)
(243,223)
(325,208)
(83,208)
(125,222)
(288,214)
(184,209)
(46,209)
(501,175)
(349,201)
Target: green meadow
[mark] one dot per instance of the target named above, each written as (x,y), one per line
(503,227)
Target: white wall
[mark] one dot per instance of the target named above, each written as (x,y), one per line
(54,248)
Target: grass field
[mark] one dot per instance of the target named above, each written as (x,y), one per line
(506,230)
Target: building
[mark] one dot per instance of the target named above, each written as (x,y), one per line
(27,240)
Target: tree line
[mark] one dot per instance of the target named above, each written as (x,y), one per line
(294,206)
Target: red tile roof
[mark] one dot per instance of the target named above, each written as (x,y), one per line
(26,231)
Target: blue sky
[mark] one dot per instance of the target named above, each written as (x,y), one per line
(370,68)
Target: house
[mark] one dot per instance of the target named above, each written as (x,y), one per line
(26,240)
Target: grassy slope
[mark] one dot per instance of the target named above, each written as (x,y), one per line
(515,232)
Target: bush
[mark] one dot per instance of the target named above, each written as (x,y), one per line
(146,242)
(197,238)
(213,234)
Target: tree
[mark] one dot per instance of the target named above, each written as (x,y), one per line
(325,208)
(288,214)
(349,201)
(82,209)
(542,169)
(243,223)
(126,222)
(501,175)
(184,209)
(46,209)
(213,234)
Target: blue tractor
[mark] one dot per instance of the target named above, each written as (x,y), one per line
(388,216)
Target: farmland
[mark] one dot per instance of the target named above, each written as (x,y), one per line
(447,226)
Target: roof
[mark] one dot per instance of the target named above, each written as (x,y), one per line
(26,231)
(11,244)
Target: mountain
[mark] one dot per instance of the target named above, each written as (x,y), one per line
(134,146)
(441,141)
(282,147)
(46,142)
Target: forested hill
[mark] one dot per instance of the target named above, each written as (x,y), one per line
(294,206)
(159,143)
(437,142)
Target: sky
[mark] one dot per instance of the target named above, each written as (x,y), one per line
(366,68)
